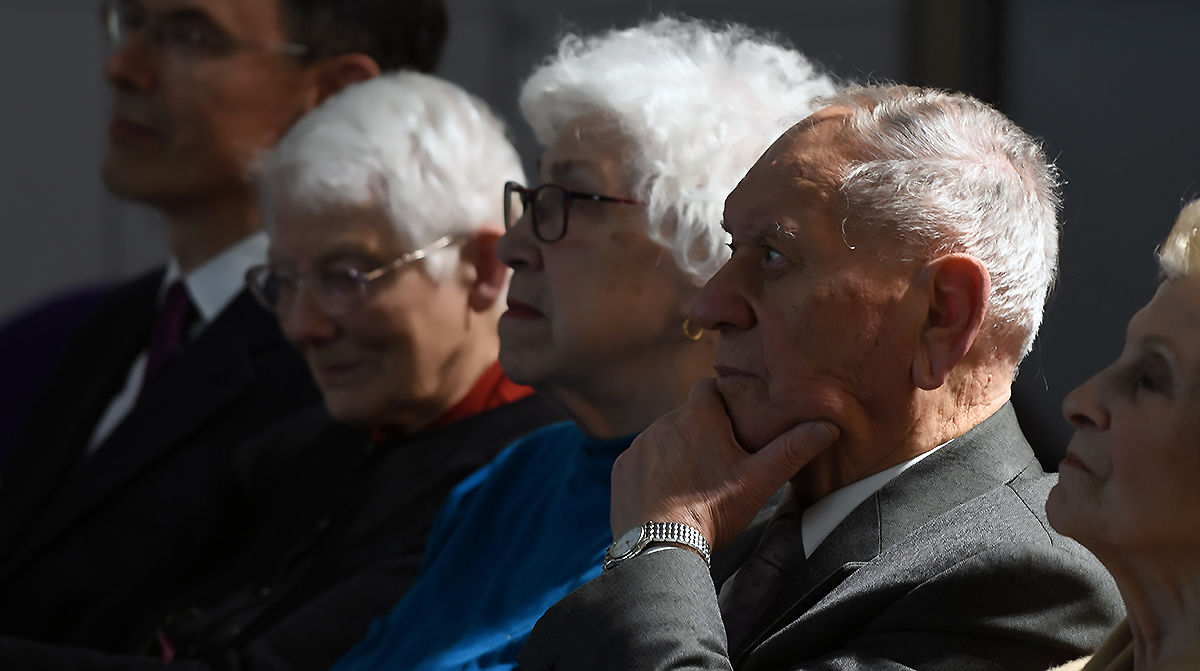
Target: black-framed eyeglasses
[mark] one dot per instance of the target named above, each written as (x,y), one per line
(549,206)
(187,34)
(339,287)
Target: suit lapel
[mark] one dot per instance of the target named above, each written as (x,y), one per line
(852,544)
(212,372)
(92,371)
(992,453)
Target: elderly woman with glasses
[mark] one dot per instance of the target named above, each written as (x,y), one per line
(1127,489)
(646,131)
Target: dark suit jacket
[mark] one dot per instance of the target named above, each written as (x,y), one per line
(951,565)
(88,545)
(337,531)
(31,347)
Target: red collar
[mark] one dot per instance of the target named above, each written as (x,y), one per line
(491,390)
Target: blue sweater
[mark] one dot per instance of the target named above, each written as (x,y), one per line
(509,542)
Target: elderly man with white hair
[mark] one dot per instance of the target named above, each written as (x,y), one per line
(383,211)
(891,257)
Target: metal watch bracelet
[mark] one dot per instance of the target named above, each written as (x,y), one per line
(634,541)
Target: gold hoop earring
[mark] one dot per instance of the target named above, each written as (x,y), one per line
(687,330)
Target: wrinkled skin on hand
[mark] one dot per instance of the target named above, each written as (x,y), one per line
(688,468)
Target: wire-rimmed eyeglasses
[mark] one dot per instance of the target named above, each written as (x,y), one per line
(186,33)
(338,287)
(551,207)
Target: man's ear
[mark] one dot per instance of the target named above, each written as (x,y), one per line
(957,286)
(486,275)
(336,73)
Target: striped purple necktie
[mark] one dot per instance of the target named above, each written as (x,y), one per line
(170,329)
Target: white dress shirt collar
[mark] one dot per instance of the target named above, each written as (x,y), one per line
(214,285)
(822,517)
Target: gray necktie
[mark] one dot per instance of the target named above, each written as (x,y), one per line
(751,589)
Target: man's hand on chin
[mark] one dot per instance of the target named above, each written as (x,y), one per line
(688,468)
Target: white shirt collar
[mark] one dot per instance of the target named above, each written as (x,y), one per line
(822,517)
(214,285)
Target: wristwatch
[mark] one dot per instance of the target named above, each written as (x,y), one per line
(631,543)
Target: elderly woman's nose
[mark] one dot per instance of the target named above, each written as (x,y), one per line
(305,322)
(1085,406)
(518,247)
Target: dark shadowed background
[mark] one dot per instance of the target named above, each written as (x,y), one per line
(1110,85)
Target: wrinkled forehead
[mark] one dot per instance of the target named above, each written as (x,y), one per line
(816,149)
(800,174)
(589,152)
(1175,308)
(1172,317)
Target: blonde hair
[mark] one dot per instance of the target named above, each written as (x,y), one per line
(1179,256)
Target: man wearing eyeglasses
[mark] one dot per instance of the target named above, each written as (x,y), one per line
(112,495)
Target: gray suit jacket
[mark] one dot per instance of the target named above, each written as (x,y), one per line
(951,565)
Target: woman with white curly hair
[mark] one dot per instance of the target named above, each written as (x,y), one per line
(646,131)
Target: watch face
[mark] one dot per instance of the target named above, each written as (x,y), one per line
(627,542)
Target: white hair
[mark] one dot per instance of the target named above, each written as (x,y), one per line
(946,173)
(431,155)
(700,103)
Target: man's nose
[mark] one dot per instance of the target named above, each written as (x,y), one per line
(133,65)
(722,303)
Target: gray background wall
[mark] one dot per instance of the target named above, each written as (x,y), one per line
(1109,84)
